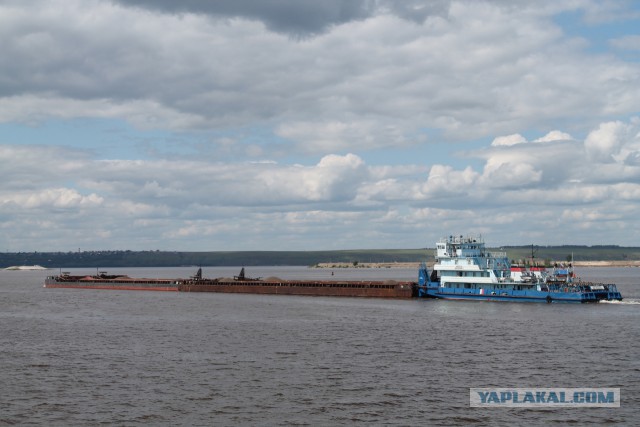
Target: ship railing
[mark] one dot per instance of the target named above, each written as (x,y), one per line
(582,287)
(471,238)
(596,287)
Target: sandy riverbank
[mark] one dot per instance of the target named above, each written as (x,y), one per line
(606,263)
(26,267)
(624,263)
(369,265)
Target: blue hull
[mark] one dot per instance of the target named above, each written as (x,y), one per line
(519,296)
(551,293)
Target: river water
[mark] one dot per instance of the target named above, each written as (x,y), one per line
(89,357)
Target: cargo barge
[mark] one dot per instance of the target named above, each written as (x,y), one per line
(238,284)
(243,285)
(114,282)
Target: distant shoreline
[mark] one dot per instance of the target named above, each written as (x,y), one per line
(371,258)
(430,263)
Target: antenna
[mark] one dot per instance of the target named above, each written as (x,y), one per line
(533,254)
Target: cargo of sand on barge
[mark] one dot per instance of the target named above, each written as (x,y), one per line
(244,285)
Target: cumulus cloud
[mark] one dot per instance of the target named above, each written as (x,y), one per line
(554,135)
(64,198)
(337,135)
(613,142)
(298,17)
(374,75)
(518,174)
(444,180)
(516,138)
(343,114)
(509,140)
(169,200)
(334,178)
(203,201)
(627,42)
(557,169)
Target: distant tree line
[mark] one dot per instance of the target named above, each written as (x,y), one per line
(126,258)
(177,259)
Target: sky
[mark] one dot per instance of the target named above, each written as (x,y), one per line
(317,125)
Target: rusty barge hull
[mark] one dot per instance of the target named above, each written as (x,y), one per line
(310,288)
(112,287)
(238,285)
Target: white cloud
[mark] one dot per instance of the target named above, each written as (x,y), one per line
(333,178)
(605,144)
(186,202)
(145,114)
(554,135)
(509,140)
(626,42)
(444,180)
(337,135)
(345,121)
(501,174)
(372,80)
(55,198)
